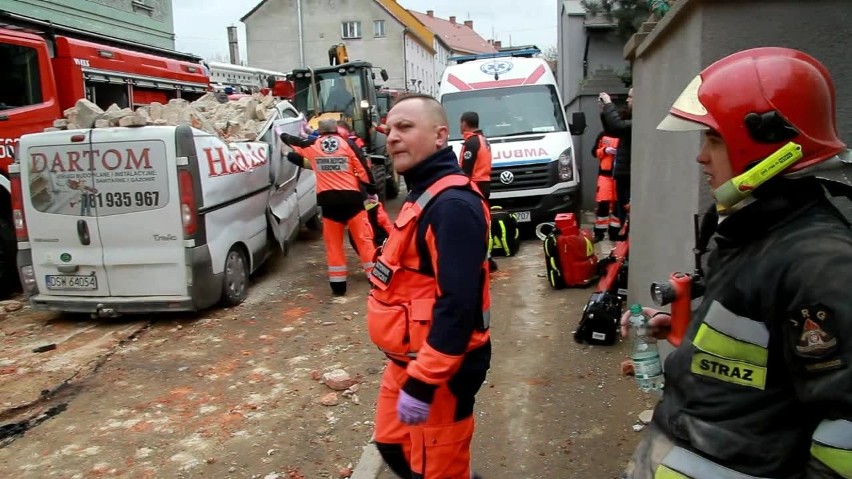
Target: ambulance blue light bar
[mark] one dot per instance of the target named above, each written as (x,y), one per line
(527,52)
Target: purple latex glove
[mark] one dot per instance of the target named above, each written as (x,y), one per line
(410,410)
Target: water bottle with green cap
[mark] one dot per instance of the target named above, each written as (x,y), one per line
(644,352)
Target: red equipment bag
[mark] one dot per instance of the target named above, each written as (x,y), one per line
(569,254)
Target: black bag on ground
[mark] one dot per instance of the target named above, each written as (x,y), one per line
(505,235)
(600,320)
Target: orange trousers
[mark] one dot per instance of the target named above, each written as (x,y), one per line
(332,234)
(436,449)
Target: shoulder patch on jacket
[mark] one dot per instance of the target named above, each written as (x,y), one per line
(812,338)
(812,323)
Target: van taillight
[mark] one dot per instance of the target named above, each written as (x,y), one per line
(18,210)
(187,203)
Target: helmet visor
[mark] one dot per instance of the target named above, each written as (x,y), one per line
(676,123)
(687,112)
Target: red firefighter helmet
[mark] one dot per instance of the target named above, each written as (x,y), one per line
(758,100)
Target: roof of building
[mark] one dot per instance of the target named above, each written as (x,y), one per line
(417,29)
(460,37)
(415,26)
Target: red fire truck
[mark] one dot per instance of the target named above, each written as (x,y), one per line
(47,68)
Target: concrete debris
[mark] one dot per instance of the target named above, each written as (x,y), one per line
(338,380)
(11,305)
(638,427)
(234,120)
(329,399)
(646,415)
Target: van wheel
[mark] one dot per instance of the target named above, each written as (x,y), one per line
(235,284)
(9,280)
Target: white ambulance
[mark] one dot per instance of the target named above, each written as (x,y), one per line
(534,170)
(157,218)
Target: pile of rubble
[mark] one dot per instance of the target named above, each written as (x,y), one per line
(233,120)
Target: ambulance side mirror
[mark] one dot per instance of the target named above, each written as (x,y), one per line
(578,123)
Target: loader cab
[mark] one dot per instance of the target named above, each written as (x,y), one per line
(343,92)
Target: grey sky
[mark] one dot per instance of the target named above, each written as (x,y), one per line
(201,25)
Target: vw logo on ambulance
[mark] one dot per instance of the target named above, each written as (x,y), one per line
(507,177)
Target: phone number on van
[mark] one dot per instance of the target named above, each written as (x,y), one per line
(121,199)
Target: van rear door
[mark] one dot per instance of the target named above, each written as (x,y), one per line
(138,209)
(59,188)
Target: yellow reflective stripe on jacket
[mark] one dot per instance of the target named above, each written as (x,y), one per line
(712,341)
(832,446)
(680,463)
(729,370)
(731,348)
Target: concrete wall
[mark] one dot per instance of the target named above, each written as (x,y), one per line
(272,36)
(153,26)
(606,51)
(667,186)
(572,43)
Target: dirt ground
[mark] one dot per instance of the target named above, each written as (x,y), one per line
(239,392)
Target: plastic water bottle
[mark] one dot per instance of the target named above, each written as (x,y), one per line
(644,352)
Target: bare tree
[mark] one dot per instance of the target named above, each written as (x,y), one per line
(551,55)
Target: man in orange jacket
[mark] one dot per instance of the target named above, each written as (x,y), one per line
(606,219)
(341,171)
(428,310)
(475,159)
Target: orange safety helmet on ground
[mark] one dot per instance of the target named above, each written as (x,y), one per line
(758,100)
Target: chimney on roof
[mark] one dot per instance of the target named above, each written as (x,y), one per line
(469,24)
(498,44)
(453,19)
(430,13)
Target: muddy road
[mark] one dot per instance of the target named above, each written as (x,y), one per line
(257,391)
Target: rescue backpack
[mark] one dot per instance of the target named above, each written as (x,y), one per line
(569,253)
(505,234)
(602,313)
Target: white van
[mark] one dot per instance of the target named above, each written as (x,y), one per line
(534,171)
(157,218)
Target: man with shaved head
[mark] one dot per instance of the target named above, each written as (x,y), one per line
(428,310)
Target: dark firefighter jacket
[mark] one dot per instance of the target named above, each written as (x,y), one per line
(456,223)
(762,382)
(623,130)
(336,205)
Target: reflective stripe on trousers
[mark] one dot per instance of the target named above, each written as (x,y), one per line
(682,464)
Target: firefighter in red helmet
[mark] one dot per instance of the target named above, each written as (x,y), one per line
(761,383)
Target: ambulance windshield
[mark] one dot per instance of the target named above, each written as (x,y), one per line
(507,111)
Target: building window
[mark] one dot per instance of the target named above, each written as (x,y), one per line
(378,28)
(351,30)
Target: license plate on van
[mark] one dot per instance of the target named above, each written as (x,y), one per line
(71,282)
(523,216)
